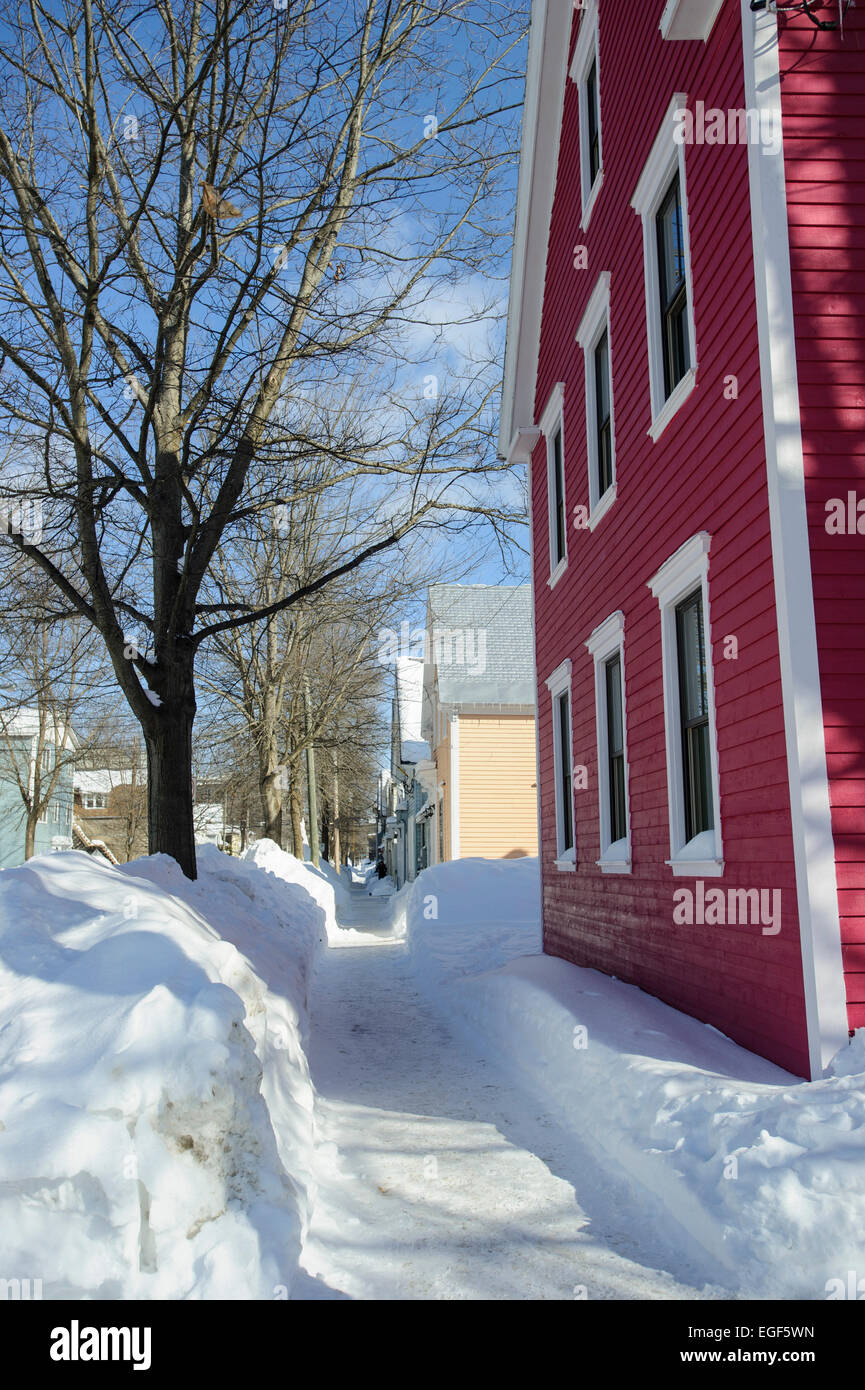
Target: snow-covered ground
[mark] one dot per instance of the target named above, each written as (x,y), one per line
(157,1113)
(765,1172)
(475,1120)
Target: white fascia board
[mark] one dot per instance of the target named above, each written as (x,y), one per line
(522,445)
(539,156)
(689,19)
(813,842)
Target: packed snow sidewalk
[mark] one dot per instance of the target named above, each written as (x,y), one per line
(437,1178)
(764,1172)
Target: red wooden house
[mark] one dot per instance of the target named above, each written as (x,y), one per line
(684,375)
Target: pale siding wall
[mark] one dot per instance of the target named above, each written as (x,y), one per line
(443,767)
(498,793)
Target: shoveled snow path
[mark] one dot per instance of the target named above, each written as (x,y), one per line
(438,1178)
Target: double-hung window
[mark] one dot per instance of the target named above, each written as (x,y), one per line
(606,646)
(586,73)
(672,288)
(553,430)
(559,686)
(593,336)
(661,200)
(694,716)
(682,590)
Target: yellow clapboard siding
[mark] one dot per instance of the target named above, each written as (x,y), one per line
(498,809)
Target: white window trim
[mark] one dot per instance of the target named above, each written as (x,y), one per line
(559,683)
(608,640)
(666,156)
(587,51)
(593,324)
(553,419)
(702,856)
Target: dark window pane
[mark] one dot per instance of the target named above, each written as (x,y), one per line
(592,109)
(558,497)
(694,716)
(603,415)
(567,825)
(615,749)
(672,288)
(614,705)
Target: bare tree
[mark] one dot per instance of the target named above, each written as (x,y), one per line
(205,207)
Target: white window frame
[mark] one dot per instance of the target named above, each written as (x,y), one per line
(586,52)
(606,641)
(553,420)
(666,158)
(90,801)
(559,683)
(594,323)
(686,570)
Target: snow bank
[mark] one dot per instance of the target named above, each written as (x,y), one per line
(156,1135)
(766,1173)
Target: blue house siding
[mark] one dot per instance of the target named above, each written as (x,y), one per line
(13,818)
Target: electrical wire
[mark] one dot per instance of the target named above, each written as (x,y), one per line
(806,7)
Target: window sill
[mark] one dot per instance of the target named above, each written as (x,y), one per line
(591,200)
(672,403)
(614,866)
(696,868)
(601,507)
(565,866)
(558,572)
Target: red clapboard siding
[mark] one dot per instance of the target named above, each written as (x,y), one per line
(706,472)
(823,103)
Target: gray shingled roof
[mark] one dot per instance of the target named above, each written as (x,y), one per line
(480,637)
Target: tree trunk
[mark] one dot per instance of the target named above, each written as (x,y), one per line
(312,791)
(336,845)
(30,836)
(271,800)
(168,739)
(296,812)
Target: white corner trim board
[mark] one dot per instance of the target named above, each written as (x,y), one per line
(546,76)
(813,843)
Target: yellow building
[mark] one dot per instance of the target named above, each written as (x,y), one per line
(479,720)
